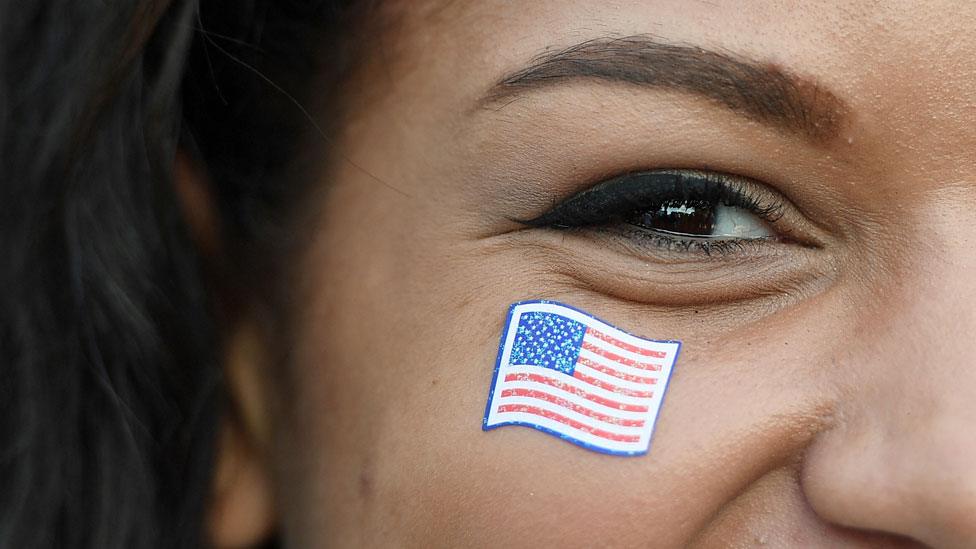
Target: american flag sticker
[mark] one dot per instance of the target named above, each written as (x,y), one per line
(571,375)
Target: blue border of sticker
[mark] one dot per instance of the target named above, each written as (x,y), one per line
(567,438)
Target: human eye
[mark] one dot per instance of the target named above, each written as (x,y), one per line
(686,211)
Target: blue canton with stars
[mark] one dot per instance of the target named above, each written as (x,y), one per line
(548,340)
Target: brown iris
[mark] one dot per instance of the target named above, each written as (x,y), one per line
(688,217)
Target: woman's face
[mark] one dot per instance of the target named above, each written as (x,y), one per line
(825,394)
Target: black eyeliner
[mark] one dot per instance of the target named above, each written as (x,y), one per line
(598,204)
(618,199)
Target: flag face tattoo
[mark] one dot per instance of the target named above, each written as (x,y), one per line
(571,375)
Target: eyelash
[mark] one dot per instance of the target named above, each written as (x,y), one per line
(610,203)
(704,246)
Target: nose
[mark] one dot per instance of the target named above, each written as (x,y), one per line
(900,458)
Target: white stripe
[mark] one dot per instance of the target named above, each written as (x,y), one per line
(622,368)
(583,436)
(575,416)
(574,398)
(612,380)
(597,342)
(574,383)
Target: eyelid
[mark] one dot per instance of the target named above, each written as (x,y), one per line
(610,201)
(589,207)
(638,190)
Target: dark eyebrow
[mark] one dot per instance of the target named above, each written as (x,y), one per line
(761,91)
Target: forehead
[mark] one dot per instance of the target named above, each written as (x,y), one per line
(850,31)
(907,68)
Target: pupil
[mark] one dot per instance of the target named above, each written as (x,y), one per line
(690,217)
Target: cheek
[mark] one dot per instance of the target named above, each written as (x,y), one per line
(395,358)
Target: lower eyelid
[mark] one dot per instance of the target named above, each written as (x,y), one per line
(688,244)
(606,261)
(648,246)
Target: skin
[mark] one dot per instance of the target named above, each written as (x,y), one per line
(824,396)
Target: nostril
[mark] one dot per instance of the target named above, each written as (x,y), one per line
(887,540)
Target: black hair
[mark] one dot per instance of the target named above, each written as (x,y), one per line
(110,385)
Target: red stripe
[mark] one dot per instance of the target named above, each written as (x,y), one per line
(610,371)
(604,385)
(566,421)
(569,388)
(625,346)
(617,358)
(549,397)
